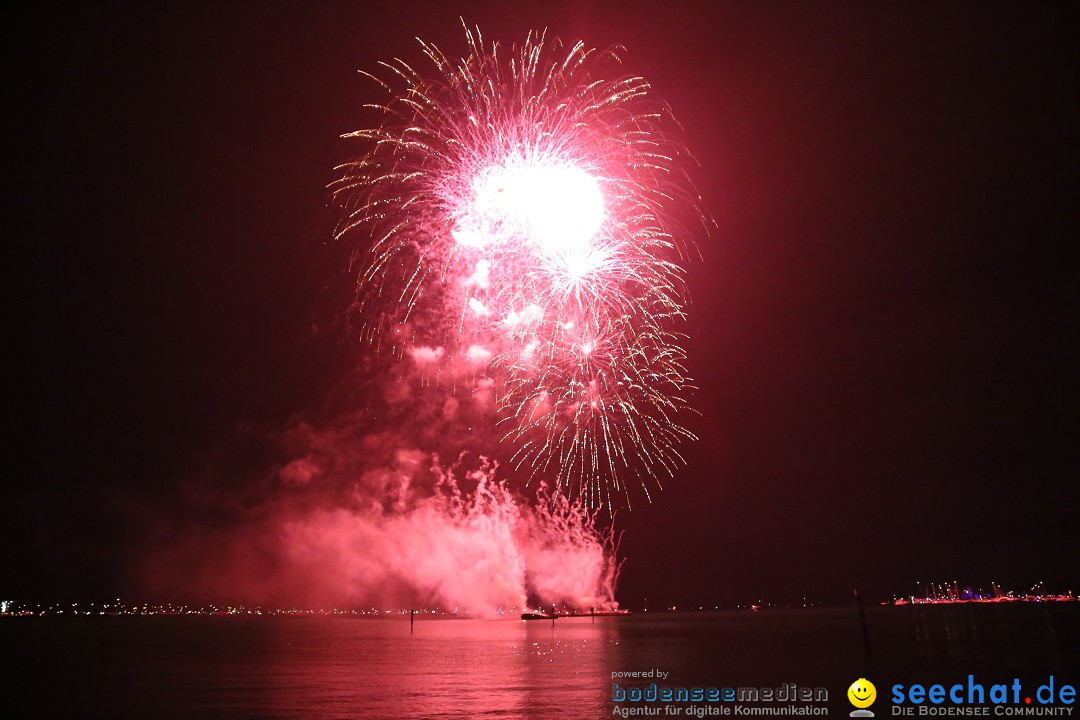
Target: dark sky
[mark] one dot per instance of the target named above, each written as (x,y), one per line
(883,328)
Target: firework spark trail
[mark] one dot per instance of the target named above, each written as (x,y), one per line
(516,213)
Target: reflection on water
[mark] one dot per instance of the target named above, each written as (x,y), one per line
(953,640)
(448,668)
(217,667)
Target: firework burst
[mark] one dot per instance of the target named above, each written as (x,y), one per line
(520,212)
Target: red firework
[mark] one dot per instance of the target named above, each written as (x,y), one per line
(519,210)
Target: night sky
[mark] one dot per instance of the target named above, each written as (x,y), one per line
(883,327)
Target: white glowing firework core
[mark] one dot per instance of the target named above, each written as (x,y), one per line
(558,207)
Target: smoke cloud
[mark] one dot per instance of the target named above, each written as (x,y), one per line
(360,511)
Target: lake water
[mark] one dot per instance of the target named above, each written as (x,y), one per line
(275,667)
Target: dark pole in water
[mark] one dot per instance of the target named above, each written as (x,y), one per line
(412,619)
(592,611)
(552,614)
(865,630)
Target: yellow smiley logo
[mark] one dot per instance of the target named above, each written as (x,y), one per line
(862,693)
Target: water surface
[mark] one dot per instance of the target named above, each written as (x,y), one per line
(277,667)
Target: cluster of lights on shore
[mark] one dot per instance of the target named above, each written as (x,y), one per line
(13,608)
(933,594)
(950,593)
